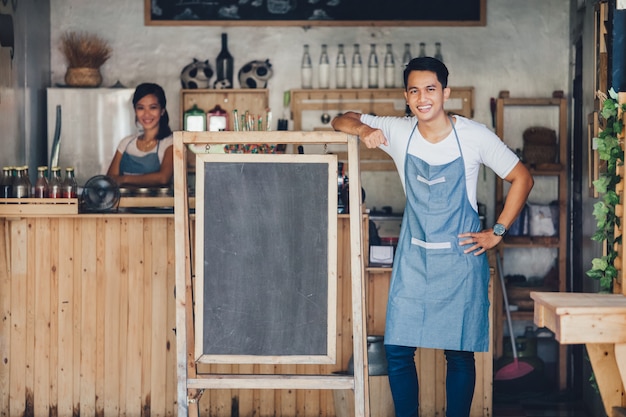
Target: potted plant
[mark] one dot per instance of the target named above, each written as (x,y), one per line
(85,53)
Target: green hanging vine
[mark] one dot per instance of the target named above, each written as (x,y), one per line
(610,150)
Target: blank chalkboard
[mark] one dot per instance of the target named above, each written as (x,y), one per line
(306,12)
(268,268)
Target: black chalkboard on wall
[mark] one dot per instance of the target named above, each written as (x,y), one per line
(316,12)
(267,281)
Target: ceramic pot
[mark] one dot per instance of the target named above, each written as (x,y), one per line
(376,359)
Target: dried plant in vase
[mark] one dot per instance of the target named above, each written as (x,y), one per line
(85,53)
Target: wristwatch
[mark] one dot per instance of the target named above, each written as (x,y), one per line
(499,229)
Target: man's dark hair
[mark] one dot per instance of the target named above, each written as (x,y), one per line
(427,63)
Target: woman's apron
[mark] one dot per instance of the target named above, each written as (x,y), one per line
(134,165)
(438,294)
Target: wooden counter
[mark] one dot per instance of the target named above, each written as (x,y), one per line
(88,326)
(598,321)
(87,316)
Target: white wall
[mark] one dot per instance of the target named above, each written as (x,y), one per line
(524,49)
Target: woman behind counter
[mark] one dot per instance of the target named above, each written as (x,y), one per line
(146,159)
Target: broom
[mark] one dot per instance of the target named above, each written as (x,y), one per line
(516,369)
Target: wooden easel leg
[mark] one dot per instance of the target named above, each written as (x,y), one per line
(193,402)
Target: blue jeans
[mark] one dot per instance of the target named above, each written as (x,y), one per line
(460,381)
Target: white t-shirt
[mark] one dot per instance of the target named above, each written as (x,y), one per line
(478,144)
(131,148)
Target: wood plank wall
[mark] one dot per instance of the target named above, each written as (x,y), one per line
(87,327)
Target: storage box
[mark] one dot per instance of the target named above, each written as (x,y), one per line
(381,255)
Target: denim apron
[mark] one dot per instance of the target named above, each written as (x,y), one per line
(133,164)
(438,295)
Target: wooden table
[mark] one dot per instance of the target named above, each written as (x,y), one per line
(598,321)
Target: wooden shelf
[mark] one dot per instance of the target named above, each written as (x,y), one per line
(558,170)
(379,101)
(254,101)
(531,241)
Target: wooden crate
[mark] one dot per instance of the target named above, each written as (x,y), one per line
(50,206)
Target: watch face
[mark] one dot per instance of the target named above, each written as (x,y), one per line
(498,229)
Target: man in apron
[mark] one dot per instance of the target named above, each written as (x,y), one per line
(438,296)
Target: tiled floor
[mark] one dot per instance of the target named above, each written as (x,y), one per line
(537,405)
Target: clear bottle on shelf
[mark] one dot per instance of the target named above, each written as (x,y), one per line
(372,68)
(406,57)
(54,184)
(422,50)
(6,189)
(340,68)
(41,184)
(225,64)
(438,54)
(357,68)
(69,187)
(21,184)
(390,68)
(324,69)
(306,69)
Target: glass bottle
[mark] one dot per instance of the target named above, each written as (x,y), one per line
(372,68)
(54,185)
(422,50)
(390,68)
(41,185)
(340,69)
(438,51)
(324,70)
(306,69)
(69,186)
(21,185)
(357,68)
(406,57)
(225,63)
(6,191)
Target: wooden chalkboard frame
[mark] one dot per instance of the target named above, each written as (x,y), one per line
(349,12)
(292,330)
(192,381)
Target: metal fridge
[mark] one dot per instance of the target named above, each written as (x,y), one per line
(92,122)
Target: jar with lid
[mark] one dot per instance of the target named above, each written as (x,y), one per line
(54,184)
(21,184)
(372,68)
(306,69)
(194,119)
(6,190)
(406,57)
(69,185)
(357,67)
(324,69)
(438,54)
(340,68)
(41,185)
(390,68)
(422,50)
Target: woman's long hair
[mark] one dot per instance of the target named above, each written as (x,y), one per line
(143,90)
